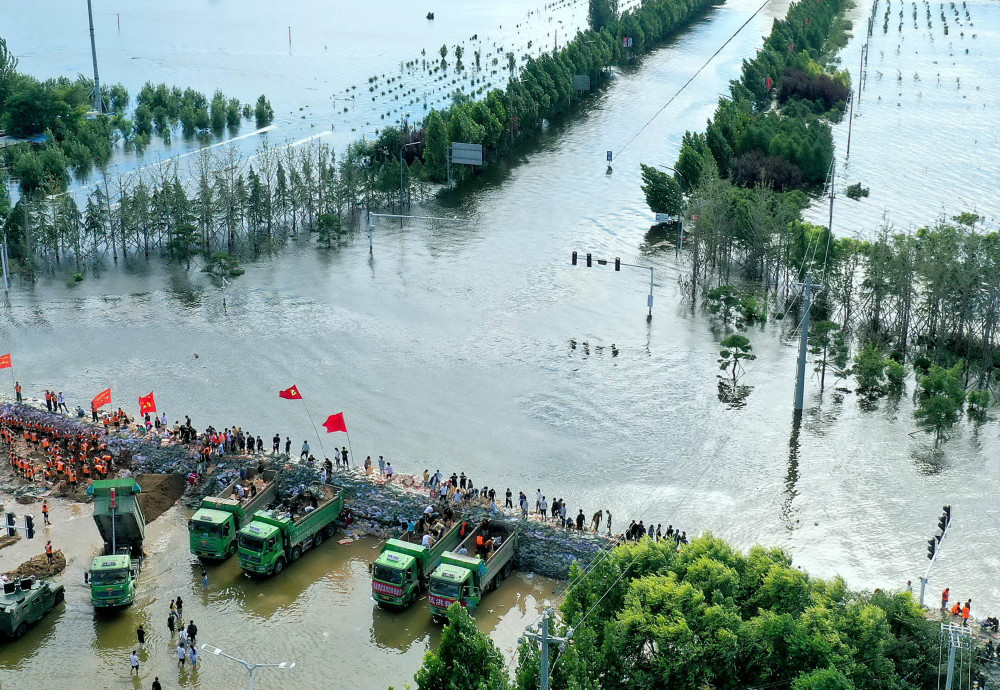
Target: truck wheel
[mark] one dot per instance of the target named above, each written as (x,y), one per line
(296,552)
(60,597)
(231,550)
(21,631)
(330,530)
(506,570)
(279,566)
(318,539)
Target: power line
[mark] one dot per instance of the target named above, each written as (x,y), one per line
(685,85)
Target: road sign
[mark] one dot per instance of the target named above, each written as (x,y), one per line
(581,82)
(467,154)
(626,42)
(609,156)
(663,218)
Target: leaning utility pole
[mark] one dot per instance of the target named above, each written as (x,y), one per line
(546,639)
(93,51)
(800,376)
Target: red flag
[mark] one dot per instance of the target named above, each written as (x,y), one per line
(290,394)
(103,398)
(5,362)
(335,422)
(768,82)
(147,403)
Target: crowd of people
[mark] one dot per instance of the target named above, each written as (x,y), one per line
(186,636)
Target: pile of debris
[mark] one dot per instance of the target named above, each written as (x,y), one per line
(39,567)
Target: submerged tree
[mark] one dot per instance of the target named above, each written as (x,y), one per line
(941,396)
(736,349)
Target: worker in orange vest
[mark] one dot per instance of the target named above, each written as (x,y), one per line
(48,551)
(45,512)
(966,610)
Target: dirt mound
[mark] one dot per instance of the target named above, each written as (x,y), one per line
(38,567)
(159,493)
(7,541)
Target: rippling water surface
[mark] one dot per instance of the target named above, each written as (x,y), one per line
(477,347)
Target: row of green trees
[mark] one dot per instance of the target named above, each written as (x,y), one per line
(543,88)
(76,140)
(239,205)
(774,128)
(650,616)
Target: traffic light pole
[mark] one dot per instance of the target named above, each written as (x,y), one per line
(934,548)
(618,265)
(29,525)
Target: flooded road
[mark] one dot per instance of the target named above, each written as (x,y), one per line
(925,139)
(476,347)
(318,613)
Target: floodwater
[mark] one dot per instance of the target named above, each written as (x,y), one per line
(312,60)
(925,139)
(318,614)
(477,347)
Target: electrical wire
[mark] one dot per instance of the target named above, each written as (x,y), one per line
(685,85)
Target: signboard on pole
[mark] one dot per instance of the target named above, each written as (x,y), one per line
(467,154)
(664,218)
(609,156)
(581,82)
(626,42)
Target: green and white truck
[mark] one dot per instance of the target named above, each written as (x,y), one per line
(213,528)
(401,571)
(113,575)
(465,578)
(274,538)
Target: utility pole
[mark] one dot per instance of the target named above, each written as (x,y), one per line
(3,261)
(546,639)
(833,192)
(800,377)
(98,106)
(958,639)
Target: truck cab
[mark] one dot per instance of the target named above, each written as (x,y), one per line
(24,602)
(451,583)
(261,548)
(112,581)
(395,579)
(213,533)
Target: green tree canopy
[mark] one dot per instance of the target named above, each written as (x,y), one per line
(466,659)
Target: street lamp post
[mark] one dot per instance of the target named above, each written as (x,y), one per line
(680,239)
(372,216)
(209,649)
(412,143)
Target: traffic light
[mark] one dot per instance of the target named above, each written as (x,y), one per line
(943,523)
(10,524)
(947,513)
(931,547)
(574,258)
(618,264)
(29,526)
(602,262)
(589,264)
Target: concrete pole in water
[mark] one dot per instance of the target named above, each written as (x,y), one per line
(93,51)
(545,639)
(800,377)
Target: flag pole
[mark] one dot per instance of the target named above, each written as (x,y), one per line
(349,444)
(309,414)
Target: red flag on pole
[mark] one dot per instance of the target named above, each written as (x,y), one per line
(290,394)
(147,403)
(5,362)
(335,422)
(103,398)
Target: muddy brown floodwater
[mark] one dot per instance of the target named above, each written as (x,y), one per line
(317,613)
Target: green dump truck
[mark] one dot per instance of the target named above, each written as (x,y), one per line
(275,538)
(114,574)
(214,526)
(400,573)
(465,578)
(25,602)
